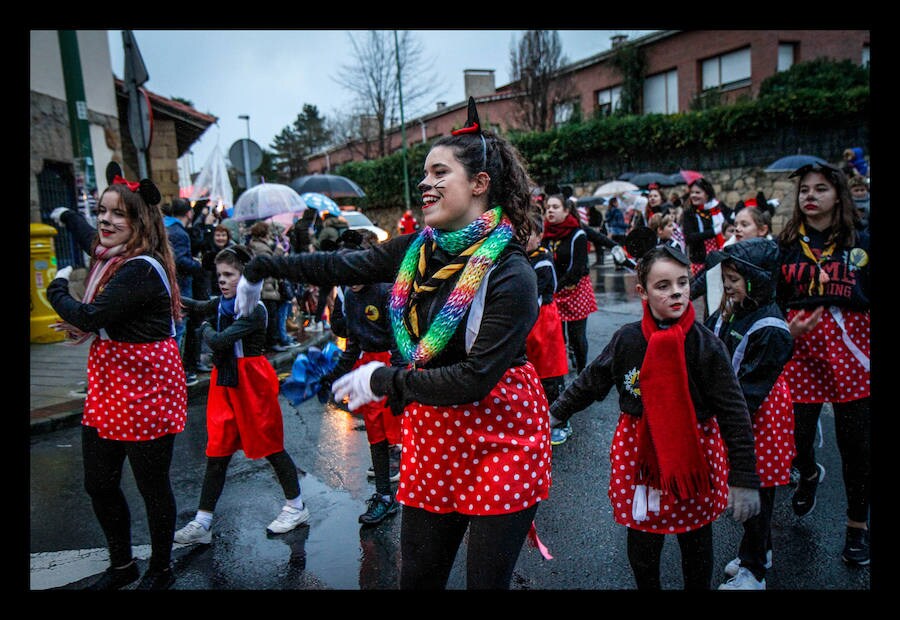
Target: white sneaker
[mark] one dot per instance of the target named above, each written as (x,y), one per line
(288,520)
(732,568)
(744,580)
(193,533)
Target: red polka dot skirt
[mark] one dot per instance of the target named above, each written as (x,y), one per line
(136,391)
(773,436)
(674,516)
(576,302)
(488,457)
(823,368)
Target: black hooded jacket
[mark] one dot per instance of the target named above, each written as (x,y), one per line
(769,348)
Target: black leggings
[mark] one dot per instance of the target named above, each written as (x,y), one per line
(645,549)
(757,538)
(576,338)
(429,543)
(150,462)
(217,467)
(851,429)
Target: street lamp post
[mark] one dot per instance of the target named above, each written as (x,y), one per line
(246,117)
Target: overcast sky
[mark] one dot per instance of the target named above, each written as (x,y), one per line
(270,74)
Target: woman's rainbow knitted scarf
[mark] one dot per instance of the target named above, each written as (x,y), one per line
(476,247)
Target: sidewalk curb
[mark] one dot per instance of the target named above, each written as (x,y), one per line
(68,414)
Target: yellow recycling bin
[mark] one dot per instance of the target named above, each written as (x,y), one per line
(43,270)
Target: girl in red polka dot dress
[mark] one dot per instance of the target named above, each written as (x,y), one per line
(136,394)
(476,439)
(824,289)
(683,448)
(753,328)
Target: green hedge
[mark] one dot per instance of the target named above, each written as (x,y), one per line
(567,149)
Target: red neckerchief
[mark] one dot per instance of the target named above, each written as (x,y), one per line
(558,231)
(670,457)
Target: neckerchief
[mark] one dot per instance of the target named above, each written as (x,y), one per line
(562,229)
(475,247)
(106,263)
(820,278)
(712,212)
(670,456)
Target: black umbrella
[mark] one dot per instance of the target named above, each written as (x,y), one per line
(789,163)
(644,179)
(332,185)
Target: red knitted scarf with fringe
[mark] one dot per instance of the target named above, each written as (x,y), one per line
(670,457)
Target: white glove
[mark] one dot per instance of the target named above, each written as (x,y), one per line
(64,273)
(618,254)
(56,215)
(744,503)
(247,297)
(357,386)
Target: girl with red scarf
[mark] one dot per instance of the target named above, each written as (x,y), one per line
(136,393)
(824,291)
(683,450)
(574,295)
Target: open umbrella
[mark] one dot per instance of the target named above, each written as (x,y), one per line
(332,185)
(614,188)
(685,176)
(321,203)
(262,201)
(644,179)
(789,163)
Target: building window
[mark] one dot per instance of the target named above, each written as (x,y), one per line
(661,93)
(730,70)
(865,55)
(608,100)
(562,112)
(786,55)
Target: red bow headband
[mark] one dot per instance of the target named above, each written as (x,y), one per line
(118,180)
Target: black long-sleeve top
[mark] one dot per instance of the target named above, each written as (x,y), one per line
(847,269)
(570,257)
(221,334)
(767,351)
(453,376)
(713,387)
(697,228)
(134,306)
(80,229)
(542,263)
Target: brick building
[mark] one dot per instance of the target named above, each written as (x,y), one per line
(681,65)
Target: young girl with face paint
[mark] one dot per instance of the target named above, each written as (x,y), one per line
(683,447)
(824,291)
(476,437)
(136,392)
(753,328)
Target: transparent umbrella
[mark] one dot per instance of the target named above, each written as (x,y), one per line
(265,200)
(614,188)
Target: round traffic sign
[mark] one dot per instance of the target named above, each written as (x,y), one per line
(236,154)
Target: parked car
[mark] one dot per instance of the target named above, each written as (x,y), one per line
(357,219)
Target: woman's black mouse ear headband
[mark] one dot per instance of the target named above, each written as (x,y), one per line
(473,126)
(146,188)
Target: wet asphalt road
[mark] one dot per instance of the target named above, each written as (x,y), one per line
(335,553)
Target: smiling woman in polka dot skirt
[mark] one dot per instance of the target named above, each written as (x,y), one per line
(824,290)
(476,439)
(683,447)
(136,396)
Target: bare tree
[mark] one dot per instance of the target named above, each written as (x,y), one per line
(535,63)
(372,79)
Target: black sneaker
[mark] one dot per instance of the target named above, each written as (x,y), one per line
(856,546)
(378,510)
(804,499)
(116,578)
(155,579)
